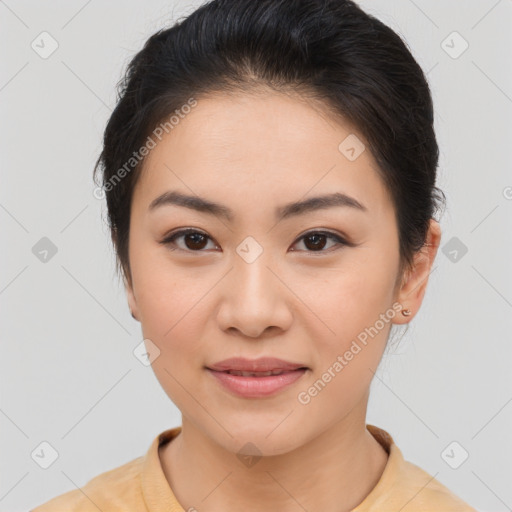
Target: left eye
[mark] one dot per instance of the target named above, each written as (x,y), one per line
(316,240)
(196,240)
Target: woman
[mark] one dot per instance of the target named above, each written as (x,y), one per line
(269,172)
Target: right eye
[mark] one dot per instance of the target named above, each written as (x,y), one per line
(194,240)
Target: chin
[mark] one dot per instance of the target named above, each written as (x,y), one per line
(244,446)
(258,439)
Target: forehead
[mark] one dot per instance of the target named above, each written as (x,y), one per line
(271,147)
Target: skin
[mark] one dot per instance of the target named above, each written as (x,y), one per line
(253,153)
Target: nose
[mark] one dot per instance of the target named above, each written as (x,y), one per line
(254,300)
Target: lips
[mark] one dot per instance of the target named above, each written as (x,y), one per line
(256,378)
(262,367)
(255,374)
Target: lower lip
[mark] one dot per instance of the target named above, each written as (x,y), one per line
(257,387)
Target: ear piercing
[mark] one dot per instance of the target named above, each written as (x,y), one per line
(406,312)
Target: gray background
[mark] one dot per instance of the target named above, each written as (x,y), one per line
(68,374)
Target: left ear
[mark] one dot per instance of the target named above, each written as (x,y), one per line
(411,293)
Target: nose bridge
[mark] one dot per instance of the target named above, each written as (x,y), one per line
(254,284)
(254,298)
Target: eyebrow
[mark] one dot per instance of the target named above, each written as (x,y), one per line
(282,212)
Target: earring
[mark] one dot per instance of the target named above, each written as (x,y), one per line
(406,312)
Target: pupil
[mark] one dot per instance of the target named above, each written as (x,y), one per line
(316,244)
(196,240)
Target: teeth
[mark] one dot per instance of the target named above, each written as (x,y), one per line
(255,374)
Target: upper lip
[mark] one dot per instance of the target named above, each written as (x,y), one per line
(263,364)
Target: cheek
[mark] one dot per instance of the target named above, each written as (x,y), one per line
(169,300)
(356,307)
(170,309)
(348,299)
(173,318)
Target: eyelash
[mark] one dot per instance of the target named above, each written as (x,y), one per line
(169,240)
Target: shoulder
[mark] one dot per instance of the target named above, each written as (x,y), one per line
(424,492)
(115,490)
(404,485)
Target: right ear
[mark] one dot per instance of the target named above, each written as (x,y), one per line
(132,301)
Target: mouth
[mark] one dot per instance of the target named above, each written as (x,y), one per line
(264,366)
(270,373)
(252,383)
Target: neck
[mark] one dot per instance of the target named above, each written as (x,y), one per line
(333,472)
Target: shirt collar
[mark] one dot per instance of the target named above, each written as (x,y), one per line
(160,498)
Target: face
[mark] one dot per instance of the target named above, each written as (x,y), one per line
(306,286)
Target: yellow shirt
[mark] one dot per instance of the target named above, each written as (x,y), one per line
(141,486)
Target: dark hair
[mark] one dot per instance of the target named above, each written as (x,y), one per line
(352,65)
